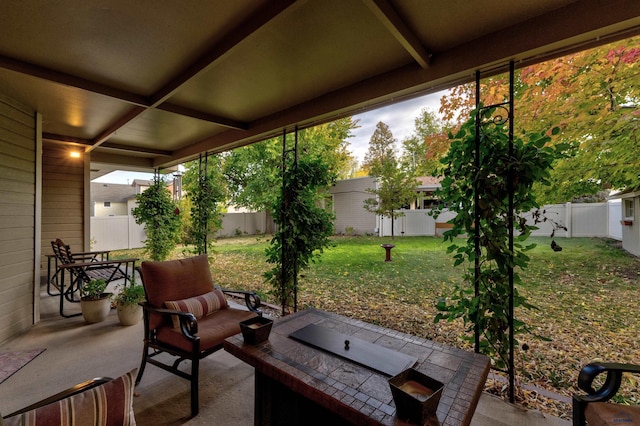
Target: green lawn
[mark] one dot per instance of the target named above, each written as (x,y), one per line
(587,295)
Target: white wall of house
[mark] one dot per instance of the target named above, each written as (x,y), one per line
(348,201)
(113,209)
(615,213)
(630,214)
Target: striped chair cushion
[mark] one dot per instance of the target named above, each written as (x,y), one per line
(110,404)
(199,306)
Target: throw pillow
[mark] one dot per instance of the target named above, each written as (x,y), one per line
(110,404)
(199,306)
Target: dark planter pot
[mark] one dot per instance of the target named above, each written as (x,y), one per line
(256,330)
(416,395)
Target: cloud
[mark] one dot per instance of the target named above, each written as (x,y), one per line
(399,117)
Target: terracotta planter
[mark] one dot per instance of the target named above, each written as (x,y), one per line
(129,314)
(97,310)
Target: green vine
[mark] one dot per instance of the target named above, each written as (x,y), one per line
(303,227)
(206,191)
(161,218)
(531,160)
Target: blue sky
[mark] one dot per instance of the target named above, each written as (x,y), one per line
(399,117)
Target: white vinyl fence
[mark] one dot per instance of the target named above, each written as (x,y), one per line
(581,220)
(116,233)
(122,232)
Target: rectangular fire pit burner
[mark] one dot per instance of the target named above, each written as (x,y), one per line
(367,354)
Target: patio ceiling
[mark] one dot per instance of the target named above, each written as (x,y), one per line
(145,84)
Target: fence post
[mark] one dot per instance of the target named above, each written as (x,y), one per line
(568,216)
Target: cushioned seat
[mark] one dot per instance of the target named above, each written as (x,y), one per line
(592,407)
(187,317)
(606,413)
(212,329)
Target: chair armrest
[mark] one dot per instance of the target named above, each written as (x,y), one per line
(81,387)
(91,253)
(612,381)
(117,262)
(251,298)
(188,322)
(96,263)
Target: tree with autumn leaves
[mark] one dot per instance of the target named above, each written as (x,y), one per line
(593,96)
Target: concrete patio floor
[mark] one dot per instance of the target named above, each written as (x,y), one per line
(77,351)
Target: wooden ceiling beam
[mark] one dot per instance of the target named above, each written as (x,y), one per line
(52,137)
(448,69)
(399,29)
(127,148)
(116,125)
(232,39)
(71,80)
(220,48)
(200,115)
(62,139)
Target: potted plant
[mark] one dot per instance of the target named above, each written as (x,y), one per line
(95,303)
(127,303)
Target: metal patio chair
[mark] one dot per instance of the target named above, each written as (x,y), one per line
(187,318)
(84,268)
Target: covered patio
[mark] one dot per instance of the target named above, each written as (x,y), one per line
(75,351)
(91,87)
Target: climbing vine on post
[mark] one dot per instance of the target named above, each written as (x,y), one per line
(304,227)
(205,188)
(464,185)
(161,218)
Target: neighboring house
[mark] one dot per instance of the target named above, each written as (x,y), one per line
(427,186)
(630,220)
(348,203)
(109,199)
(113,199)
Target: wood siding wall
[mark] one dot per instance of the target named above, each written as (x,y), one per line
(62,199)
(17,217)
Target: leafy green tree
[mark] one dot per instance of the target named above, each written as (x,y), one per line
(395,187)
(304,228)
(594,97)
(426,145)
(204,186)
(483,190)
(161,218)
(253,172)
